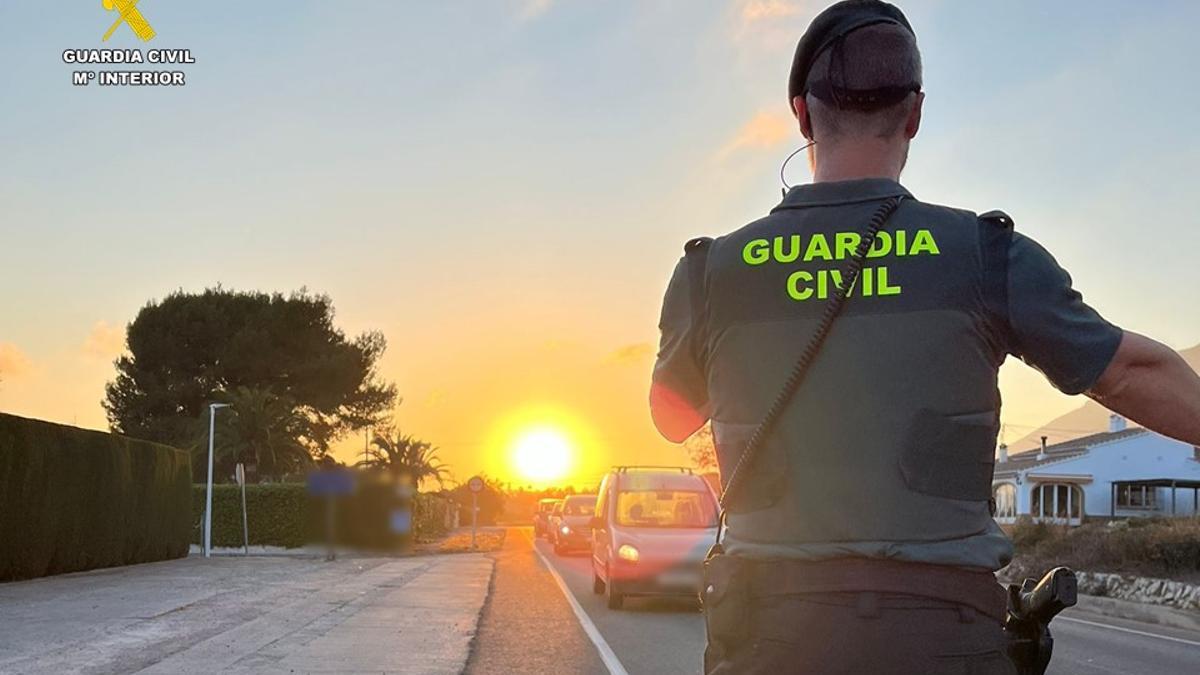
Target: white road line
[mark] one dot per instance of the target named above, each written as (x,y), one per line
(1129,630)
(607,655)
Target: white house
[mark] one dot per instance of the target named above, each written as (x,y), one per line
(1121,473)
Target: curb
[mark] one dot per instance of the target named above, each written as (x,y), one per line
(1139,611)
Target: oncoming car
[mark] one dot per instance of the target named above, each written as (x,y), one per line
(652,528)
(573,529)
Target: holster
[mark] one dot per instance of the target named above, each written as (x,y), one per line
(1032,605)
(725,599)
(1029,647)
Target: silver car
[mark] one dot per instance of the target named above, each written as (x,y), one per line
(652,528)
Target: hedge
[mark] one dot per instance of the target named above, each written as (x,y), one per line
(279,514)
(73,499)
(282,514)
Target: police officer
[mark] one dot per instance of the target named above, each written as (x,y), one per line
(859,537)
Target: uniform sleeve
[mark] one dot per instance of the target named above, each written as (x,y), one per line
(679,390)
(1053,329)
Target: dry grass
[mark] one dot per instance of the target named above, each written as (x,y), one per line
(1150,547)
(459,541)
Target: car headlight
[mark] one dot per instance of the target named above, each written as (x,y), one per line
(565,530)
(627,552)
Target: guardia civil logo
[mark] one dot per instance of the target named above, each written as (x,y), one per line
(128,14)
(124,67)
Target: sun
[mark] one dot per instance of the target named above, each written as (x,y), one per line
(542,455)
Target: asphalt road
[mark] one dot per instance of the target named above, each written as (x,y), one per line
(660,636)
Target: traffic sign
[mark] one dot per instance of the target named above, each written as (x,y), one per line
(475,485)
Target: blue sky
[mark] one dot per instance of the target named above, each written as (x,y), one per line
(526,171)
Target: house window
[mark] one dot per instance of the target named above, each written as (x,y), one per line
(1005,495)
(1137,497)
(1056,501)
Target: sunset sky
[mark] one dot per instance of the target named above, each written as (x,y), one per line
(503,187)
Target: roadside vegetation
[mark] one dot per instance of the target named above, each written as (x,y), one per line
(73,499)
(284,515)
(405,457)
(295,382)
(1166,548)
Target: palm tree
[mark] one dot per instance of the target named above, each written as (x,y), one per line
(264,430)
(405,456)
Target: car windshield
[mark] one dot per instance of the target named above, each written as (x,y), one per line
(547,507)
(579,507)
(666,508)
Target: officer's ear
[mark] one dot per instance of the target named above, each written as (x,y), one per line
(800,108)
(913,124)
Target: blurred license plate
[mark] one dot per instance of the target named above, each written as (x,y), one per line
(682,579)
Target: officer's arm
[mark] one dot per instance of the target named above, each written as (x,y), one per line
(1151,384)
(1054,330)
(674,417)
(678,390)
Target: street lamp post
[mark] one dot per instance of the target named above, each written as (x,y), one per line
(212,428)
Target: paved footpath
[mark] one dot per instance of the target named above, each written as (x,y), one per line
(248,615)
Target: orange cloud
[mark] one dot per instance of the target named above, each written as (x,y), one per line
(764,130)
(632,354)
(104,342)
(759,10)
(13,362)
(770,28)
(532,9)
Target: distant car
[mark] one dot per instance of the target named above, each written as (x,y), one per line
(541,516)
(650,533)
(552,520)
(573,530)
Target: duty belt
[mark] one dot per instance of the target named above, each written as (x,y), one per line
(977,590)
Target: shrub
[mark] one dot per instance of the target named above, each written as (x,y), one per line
(1158,547)
(283,514)
(73,499)
(1026,534)
(432,515)
(278,514)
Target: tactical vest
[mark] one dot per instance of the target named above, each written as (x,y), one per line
(892,435)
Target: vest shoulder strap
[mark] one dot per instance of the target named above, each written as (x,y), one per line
(995,239)
(696,253)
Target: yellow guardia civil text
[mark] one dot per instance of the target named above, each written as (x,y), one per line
(806,283)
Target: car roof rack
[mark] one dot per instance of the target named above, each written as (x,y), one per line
(650,467)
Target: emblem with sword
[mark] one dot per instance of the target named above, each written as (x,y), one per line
(131,15)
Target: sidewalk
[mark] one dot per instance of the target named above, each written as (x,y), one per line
(243,615)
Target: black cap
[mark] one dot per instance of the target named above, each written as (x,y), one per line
(835,23)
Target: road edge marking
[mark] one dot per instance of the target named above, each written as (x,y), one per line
(607,655)
(1129,630)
